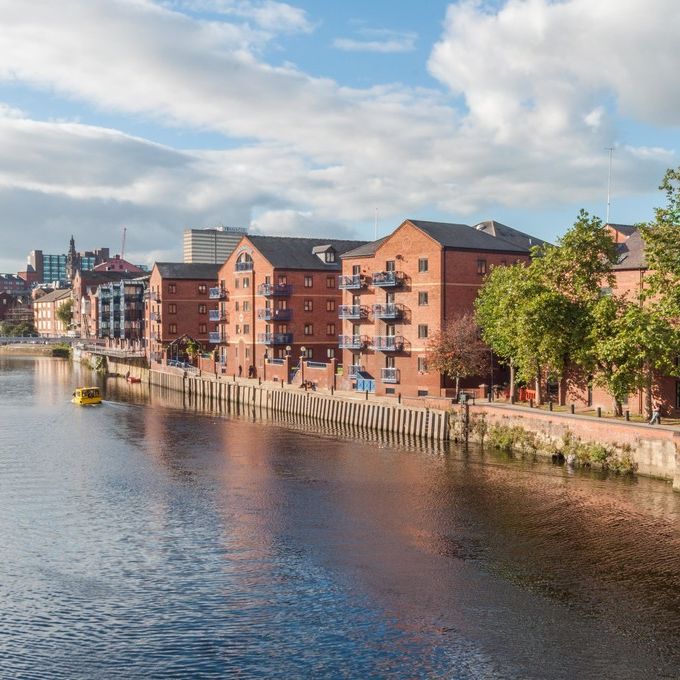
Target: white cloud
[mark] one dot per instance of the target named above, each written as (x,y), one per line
(308,153)
(378,40)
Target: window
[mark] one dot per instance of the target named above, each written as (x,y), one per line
(267,279)
(246,282)
(356,269)
(330,353)
(283,279)
(246,328)
(330,305)
(308,353)
(246,306)
(422,364)
(172,328)
(202,309)
(247,352)
(330,282)
(390,266)
(172,308)
(172,288)
(329,256)
(422,393)
(330,329)
(202,289)
(308,305)
(236,283)
(238,329)
(481,267)
(309,281)
(422,330)
(422,298)
(236,305)
(309,329)
(202,328)
(422,264)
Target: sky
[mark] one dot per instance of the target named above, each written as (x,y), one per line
(323,118)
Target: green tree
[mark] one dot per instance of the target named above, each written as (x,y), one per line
(65,313)
(457,350)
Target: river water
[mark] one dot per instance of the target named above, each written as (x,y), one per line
(149,538)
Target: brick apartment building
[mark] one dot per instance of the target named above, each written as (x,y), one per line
(400,290)
(45,308)
(277,296)
(120,309)
(178,304)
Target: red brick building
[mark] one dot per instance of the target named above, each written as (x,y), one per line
(45,308)
(400,290)
(178,304)
(277,296)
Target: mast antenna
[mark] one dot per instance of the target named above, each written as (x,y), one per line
(609,181)
(122,248)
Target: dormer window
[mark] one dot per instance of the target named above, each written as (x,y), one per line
(329,256)
(326,253)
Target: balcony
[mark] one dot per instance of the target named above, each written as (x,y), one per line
(274,290)
(214,337)
(155,316)
(244,266)
(351,341)
(352,312)
(350,282)
(388,310)
(388,343)
(352,371)
(275,338)
(387,279)
(389,375)
(218,293)
(217,315)
(275,314)
(154,336)
(153,296)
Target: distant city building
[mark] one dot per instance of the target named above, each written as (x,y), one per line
(45,309)
(118,264)
(211,245)
(43,267)
(15,285)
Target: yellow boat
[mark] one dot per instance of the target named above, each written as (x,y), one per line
(86,396)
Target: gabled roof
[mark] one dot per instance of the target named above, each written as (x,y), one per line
(632,253)
(290,252)
(463,237)
(625,229)
(367,248)
(184,270)
(503,231)
(55,295)
(90,276)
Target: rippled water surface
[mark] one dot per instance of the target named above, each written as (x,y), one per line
(151,537)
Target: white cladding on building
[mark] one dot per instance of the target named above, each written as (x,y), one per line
(212,245)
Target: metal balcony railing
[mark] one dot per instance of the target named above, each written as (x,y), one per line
(275,314)
(389,375)
(351,341)
(217,293)
(155,316)
(353,369)
(244,266)
(388,343)
(350,282)
(217,315)
(387,279)
(274,290)
(275,338)
(214,337)
(388,310)
(352,311)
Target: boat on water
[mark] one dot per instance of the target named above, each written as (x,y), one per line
(133,379)
(87,396)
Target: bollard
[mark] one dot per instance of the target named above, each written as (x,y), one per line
(573,409)
(627,414)
(332,390)
(599,412)
(366,395)
(399,398)
(550,406)
(512,398)
(234,377)
(259,381)
(531,403)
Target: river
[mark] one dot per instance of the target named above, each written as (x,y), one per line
(148,538)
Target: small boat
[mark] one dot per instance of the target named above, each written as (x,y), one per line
(133,379)
(87,396)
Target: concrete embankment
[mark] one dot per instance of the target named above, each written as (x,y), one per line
(27,349)
(653,448)
(324,408)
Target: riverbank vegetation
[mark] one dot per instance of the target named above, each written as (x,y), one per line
(559,315)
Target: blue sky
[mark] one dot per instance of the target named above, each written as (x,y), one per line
(304,117)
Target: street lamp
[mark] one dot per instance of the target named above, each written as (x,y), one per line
(303,349)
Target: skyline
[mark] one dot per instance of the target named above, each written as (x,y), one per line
(304,119)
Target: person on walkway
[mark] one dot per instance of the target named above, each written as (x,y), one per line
(656,417)
(251,371)
(240,370)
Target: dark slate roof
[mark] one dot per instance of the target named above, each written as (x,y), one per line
(463,237)
(185,270)
(503,231)
(291,252)
(55,295)
(91,276)
(367,248)
(632,253)
(625,229)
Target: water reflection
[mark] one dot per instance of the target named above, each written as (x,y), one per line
(160,537)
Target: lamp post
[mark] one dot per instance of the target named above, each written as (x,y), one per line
(491,375)
(303,350)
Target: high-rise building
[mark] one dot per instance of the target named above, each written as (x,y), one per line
(48,268)
(211,245)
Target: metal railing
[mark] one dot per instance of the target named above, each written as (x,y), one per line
(352,312)
(350,282)
(353,369)
(388,310)
(244,266)
(388,343)
(217,315)
(214,337)
(217,293)
(389,375)
(351,341)
(386,279)
(275,314)
(276,290)
(275,338)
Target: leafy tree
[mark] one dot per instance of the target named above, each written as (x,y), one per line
(457,350)
(65,313)
(192,348)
